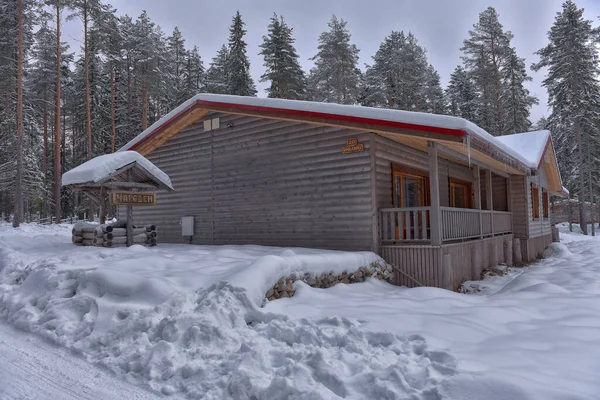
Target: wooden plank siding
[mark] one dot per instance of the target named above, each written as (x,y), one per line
(422,263)
(489,252)
(267,182)
(499,191)
(540,226)
(533,248)
(520,212)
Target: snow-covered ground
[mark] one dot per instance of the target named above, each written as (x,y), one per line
(187,321)
(33,368)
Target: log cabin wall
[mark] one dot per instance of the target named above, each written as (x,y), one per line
(499,193)
(520,212)
(267,182)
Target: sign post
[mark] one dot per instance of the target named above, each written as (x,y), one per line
(130,199)
(121,197)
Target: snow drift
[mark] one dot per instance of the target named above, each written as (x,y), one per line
(186,320)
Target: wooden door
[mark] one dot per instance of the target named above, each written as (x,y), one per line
(410,190)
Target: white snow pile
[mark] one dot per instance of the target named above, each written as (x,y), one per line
(529,145)
(101,167)
(186,320)
(532,334)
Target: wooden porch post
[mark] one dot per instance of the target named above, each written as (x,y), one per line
(434,191)
(489,197)
(477,196)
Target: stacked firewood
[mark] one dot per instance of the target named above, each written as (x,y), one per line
(113,235)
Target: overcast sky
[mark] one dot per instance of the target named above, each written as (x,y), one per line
(439,25)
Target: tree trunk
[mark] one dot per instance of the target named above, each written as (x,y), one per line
(18,213)
(45,119)
(144,104)
(581,199)
(113,127)
(88,112)
(590,185)
(57,169)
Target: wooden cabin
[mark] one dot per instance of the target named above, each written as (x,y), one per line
(436,196)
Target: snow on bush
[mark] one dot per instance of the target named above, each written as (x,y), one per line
(187,320)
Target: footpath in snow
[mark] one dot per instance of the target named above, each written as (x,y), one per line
(33,368)
(187,321)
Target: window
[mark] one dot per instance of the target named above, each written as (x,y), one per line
(535,202)
(411,188)
(545,203)
(460,194)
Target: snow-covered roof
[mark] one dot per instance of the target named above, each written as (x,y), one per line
(102,167)
(440,124)
(529,145)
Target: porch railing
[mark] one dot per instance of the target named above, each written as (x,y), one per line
(459,223)
(502,222)
(413,224)
(404,224)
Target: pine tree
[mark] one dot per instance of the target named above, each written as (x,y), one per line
(18,214)
(87,11)
(57,6)
(515,98)
(462,95)
(335,77)
(217,76)
(281,62)
(239,81)
(193,74)
(434,94)
(42,76)
(574,95)
(541,124)
(484,52)
(177,56)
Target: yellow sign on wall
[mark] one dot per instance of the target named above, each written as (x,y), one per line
(352,146)
(133,198)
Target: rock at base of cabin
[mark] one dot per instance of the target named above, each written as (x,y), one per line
(285,286)
(310,281)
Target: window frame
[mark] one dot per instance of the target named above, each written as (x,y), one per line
(401,171)
(545,204)
(468,190)
(535,202)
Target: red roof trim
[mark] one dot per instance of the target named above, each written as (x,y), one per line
(312,114)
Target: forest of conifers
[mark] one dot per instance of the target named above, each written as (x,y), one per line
(61,106)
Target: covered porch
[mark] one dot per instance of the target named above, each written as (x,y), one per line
(445,229)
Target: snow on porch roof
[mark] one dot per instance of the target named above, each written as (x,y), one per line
(439,124)
(102,167)
(529,145)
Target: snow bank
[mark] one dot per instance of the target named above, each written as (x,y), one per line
(186,320)
(529,335)
(101,167)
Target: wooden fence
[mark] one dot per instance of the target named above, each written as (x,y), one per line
(412,225)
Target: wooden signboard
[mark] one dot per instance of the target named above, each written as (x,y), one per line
(352,146)
(133,198)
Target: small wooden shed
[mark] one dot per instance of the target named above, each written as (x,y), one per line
(126,174)
(434,195)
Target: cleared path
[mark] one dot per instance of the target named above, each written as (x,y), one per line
(32,368)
